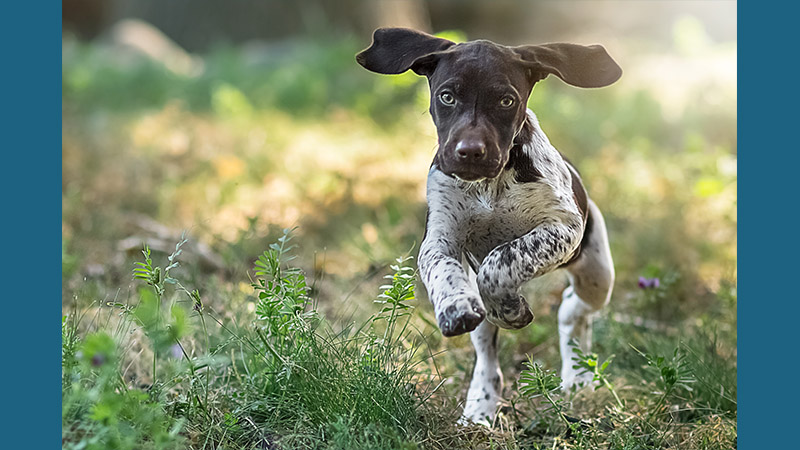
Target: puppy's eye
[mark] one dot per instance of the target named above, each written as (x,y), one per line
(447,98)
(506,102)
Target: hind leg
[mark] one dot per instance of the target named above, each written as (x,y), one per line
(487,378)
(591,282)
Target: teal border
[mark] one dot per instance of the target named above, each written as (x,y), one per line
(768,178)
(30,80)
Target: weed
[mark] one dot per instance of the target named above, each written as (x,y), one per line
(591,363)
(536,382)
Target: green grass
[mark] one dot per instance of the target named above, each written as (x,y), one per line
(283,377)
(286,378)
(312,347)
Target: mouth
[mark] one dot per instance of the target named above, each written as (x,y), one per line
(469,176)
(474,174)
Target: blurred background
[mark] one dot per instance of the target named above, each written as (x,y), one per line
(233,120)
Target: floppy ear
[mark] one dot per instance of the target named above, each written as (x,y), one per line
(395,50)
(579,65)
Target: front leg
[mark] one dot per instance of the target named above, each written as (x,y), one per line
(457,305)
(510,265)
(455,299)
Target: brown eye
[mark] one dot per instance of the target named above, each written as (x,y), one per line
(447,98)
(506,102)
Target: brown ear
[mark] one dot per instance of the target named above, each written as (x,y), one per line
(395,50)
(579,65)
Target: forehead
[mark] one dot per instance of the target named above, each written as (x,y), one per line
(479,62)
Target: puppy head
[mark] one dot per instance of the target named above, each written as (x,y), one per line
(479,89)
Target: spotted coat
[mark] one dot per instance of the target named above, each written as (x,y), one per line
(520,225)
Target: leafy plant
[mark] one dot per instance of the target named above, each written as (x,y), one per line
(672,374)
(394,306)
(162,331)
(591,363)
(283,302)
(535,381)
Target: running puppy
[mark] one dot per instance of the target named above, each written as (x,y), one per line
(504,206)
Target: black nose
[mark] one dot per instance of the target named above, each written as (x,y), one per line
(469,150)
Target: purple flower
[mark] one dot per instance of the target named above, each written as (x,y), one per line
(98,359)
(649,283)
(176,351)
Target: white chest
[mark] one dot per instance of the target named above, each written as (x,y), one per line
(502,212)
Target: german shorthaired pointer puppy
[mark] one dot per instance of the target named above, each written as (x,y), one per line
(504,206)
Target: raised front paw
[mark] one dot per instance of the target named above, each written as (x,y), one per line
(504,306)
(509,312)
(461,315)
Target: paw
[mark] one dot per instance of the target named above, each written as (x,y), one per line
(479,411)
(479,418)
(512,313)
(461,315)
